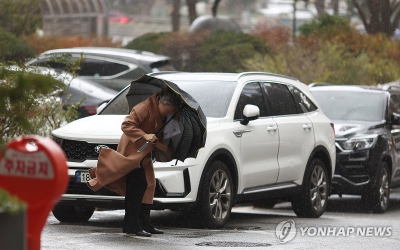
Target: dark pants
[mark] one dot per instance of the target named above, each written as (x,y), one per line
(135,187)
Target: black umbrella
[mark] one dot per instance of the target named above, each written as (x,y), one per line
(192,120)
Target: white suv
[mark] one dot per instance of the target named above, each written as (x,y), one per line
(267,139)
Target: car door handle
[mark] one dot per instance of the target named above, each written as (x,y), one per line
(272,128)
(307,126)
(239,133)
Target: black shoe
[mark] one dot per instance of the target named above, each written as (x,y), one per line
(154,230)
(140,233)
(145,219)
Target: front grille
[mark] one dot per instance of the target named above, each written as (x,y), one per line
(79,151)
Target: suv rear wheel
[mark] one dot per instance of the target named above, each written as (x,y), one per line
(71,214)
(378,198)
(215,196)
(312,201)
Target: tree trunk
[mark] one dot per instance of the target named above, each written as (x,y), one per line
(191,4)
(320,6)
(335,7)
(175,16)
(214,8)
(379,15)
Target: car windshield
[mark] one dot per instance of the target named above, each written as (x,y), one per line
(214,97)
(354,106)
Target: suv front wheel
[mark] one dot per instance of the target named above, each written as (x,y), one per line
(71,214)
(312,201)
(215,196)
(378,198)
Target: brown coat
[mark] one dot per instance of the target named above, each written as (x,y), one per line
(112,166)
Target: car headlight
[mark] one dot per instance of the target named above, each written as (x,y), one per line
(358,143)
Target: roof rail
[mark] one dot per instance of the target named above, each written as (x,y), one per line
(318,84)
(163,73)
(266,73)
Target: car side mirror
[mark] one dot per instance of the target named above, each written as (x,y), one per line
(395,119)
(101,107)
(250,113)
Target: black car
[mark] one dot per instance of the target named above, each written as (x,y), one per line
(367,130)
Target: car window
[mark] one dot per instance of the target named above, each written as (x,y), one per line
(118,105)
(251,94)
(94,67)
(394,105)
(214,97)
(280,99)
(49,63)
(303,104)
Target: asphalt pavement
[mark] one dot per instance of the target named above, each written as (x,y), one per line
(348,224)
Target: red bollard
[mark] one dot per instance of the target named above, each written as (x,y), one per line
(34,169)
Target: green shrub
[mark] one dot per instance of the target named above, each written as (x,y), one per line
(152,42)
(13,48)
(332,63)
(20,17)
(227,51)
(26,105)
(10,204)
(325,24)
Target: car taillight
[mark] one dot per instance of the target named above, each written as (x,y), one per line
(125,20)
(333,127)
(91,110)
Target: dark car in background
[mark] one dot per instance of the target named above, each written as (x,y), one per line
(114,68)
(367,130)
(88,93)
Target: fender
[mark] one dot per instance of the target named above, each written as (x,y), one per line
(217,154)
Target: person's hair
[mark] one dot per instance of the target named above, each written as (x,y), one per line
(168,96)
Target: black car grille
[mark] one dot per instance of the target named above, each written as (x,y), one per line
(79,151)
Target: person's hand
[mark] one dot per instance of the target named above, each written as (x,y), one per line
(150,137)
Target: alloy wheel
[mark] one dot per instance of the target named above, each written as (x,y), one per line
(384,188)
(220,195)
(319,188)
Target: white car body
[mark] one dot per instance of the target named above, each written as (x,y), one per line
(267,155)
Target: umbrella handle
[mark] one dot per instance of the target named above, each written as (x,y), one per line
(143,147)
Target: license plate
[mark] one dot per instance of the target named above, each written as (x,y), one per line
(82,176)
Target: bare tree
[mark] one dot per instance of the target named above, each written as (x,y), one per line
(335,7)
(191,4)
(379,16)
(175,16)
(320,6)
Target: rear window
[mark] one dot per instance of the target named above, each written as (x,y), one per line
(352,105)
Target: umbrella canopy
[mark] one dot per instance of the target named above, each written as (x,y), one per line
(192,122)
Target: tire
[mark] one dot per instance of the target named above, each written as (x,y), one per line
(312,201)
(215,196)
(378,198)
(267,203)
(72,214)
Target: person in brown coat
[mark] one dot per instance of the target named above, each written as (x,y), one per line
(130,173)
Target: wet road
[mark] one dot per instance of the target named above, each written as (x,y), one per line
(248,228)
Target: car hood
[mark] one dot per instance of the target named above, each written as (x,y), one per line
(346,129)
(102,128)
